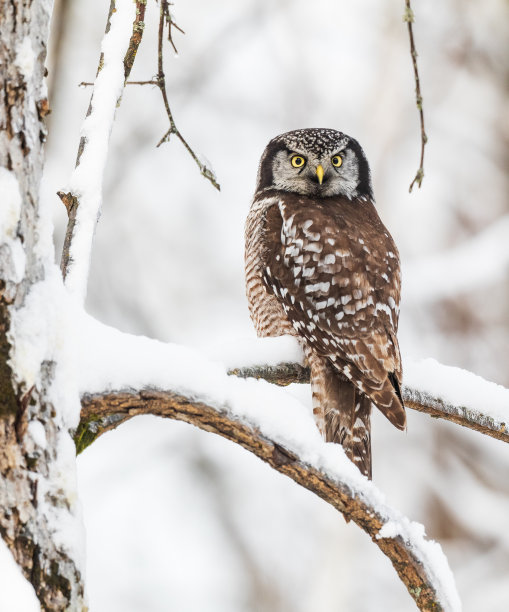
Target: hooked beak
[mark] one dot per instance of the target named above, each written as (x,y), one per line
(319,173)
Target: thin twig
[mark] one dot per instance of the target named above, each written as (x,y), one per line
(165,18)
(171,24)
(408,17)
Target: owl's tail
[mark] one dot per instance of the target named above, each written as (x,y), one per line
(354,430)
(342,413)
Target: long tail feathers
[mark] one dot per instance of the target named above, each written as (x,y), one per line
(349,424)
(343,414)
(360,439)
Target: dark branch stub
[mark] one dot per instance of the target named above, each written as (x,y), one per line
(408,18)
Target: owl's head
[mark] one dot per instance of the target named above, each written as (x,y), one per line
(315,162)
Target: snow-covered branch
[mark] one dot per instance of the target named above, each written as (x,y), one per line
(321,468)
(83,194)
(475,403)
(261,418)
(122,376)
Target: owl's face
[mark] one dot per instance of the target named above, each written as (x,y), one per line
(315,162)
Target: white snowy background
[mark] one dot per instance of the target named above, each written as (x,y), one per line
(181,520)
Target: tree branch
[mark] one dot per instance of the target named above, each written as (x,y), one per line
(282,374)
(416,399)
(408,17)
(135,40)
(471,419)
(412,556)
(165,18)
(82,197)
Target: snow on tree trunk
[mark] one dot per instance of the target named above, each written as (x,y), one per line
(38,405)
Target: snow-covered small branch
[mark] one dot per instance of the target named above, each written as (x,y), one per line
(83,194)
(320,468)
(485,408)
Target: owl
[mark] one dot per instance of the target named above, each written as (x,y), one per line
(321,266)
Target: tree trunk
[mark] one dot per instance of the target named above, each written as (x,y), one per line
(35,499)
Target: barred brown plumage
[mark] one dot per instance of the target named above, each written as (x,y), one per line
(321,265)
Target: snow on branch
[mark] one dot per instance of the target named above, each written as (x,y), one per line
(441,391)
(165,32)
(484,407)
(83,194)
(321,468)
(122,376)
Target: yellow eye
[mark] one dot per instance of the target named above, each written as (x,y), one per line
(337,160)
(298,161)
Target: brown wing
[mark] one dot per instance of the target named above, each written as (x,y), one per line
(335,269)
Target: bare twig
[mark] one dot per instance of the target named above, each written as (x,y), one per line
(172,24)
(410,559)
(408,17)
(165,18)
(416,399)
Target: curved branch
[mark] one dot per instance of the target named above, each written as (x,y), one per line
(415,559)
(416,399)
